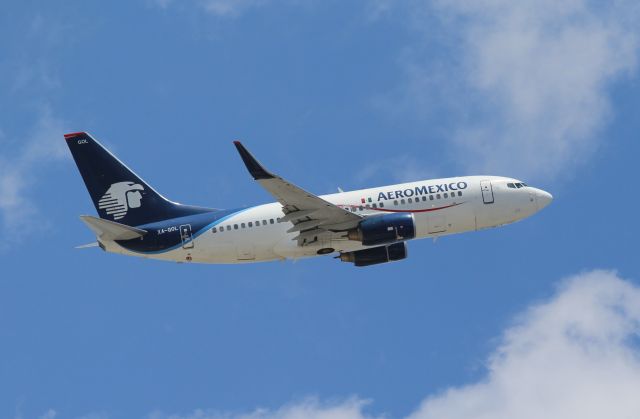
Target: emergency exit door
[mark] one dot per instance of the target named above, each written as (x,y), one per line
(186,236)
(487,191)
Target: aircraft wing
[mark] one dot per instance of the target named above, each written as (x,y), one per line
(311,215)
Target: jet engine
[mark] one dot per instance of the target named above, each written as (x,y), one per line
(383,229)
(376,255)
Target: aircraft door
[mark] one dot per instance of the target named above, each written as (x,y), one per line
(186,236)
(487,192)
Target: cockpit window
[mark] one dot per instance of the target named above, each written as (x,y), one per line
(517,185)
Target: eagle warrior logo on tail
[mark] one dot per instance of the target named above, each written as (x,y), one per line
(120,197)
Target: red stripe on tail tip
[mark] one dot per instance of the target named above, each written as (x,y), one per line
(73,134)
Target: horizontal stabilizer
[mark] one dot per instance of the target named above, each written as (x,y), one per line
(110,230)
(87,246)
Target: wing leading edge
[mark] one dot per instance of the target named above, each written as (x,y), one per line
(312,216)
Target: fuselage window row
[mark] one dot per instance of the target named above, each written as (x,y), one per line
(244,225)
(251,224)
(424,198)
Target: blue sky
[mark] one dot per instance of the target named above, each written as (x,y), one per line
(327,94)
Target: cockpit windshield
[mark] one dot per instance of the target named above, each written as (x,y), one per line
(517,185)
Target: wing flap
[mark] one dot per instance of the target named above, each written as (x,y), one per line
(296,215)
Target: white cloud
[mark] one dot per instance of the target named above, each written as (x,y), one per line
(21,161)
(50,414)
(220,8)
(29,76)
(163,4)
(227,8)
(403,168)
(307,409)
(95,415)
(374,9)
(576,355)
(527,81)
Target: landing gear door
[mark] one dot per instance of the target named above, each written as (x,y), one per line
(186,236)
(245,252)
(436,224)
(487,191)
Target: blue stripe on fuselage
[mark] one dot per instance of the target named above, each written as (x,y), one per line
(164,236)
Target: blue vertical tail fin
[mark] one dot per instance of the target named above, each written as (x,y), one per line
(117,192)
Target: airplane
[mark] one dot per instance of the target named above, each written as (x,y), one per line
(363,227)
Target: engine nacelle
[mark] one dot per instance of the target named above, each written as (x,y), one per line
(383,229)
(376,255)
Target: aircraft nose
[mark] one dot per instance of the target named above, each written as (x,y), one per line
(543,198)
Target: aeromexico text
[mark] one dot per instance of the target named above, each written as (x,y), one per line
(422,190)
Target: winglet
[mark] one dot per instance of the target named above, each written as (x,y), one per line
(253,166)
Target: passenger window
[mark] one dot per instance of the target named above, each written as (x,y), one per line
(459,193)
(235,226)
(438,196)
(424,199)
(250,224)
(402,201)
(410,201)
(431,197)
(213,230)
(446,195)
(360,208)
(382,205)
(374,205)
(257,223)
(229,228)
(271,221)
(243,225)
(264,222)
(278,220)
(395,202)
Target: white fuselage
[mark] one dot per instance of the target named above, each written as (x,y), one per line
(439,206)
